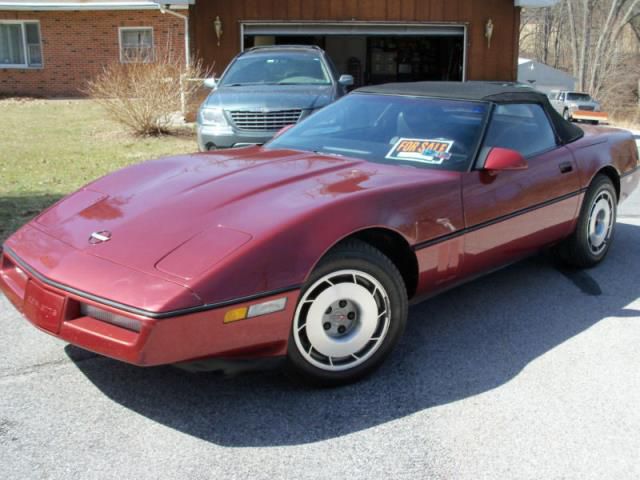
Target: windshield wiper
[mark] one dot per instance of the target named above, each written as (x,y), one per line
(248,84)
(271,83)
(347,151)
(311,84)
(331,154)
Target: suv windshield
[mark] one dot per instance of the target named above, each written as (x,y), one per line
(291,68)
(578,97)
(417,132)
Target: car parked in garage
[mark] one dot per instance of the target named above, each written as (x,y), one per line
(264,89)
(311,247)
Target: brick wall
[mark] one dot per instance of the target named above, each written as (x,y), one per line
(76,45)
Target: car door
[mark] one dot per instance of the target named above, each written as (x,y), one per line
(510,214)
(562,103)
(558,103)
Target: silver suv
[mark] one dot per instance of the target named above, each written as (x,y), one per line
(265,89)
(567,103)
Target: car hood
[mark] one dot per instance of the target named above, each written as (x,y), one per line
(305,97)
(153,208)
(185,219)
(208,205)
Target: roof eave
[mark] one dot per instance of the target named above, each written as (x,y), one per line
(92,6)
(535,3)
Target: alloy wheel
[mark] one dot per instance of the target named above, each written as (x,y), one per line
(342,320)
(601,219)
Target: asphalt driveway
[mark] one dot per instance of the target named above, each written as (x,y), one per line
(532,372)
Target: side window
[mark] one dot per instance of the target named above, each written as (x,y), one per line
(20,45)
(136,44)
(332,67)
(521,127)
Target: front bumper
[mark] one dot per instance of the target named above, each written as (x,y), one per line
(590,116)
(210,138)
(180,338)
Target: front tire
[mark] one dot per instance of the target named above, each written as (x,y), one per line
(567,115)
(592,238)
(350,315)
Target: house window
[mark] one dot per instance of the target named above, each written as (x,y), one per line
(20,45)
(136,44)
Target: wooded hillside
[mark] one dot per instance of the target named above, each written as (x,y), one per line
(597,41)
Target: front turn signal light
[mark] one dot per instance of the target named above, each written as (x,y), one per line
(235,315)
(256,310)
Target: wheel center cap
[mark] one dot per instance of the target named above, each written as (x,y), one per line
(333,342)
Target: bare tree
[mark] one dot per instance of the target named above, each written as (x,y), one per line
(585,38)
(606,54)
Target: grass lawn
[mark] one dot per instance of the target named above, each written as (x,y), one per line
(49,148)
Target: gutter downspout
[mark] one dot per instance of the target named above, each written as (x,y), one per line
(187,52)
(185,18)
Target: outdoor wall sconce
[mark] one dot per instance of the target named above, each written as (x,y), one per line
(217,25)
(488,32)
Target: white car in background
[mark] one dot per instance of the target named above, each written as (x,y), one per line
(577,106)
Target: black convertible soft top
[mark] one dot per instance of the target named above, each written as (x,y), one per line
(494,92)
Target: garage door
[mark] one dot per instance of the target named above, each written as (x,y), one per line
(301,29)
(374,53)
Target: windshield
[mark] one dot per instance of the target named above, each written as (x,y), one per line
(416,132)
(578,97)
(277,69)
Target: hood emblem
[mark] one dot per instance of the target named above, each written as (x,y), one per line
(100,237)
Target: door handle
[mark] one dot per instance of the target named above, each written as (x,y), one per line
(566,167)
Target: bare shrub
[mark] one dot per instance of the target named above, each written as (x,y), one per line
(146,94)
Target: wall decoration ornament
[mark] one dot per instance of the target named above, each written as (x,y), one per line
(217,25)
(488,32)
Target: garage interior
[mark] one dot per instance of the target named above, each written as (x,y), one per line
(375,55)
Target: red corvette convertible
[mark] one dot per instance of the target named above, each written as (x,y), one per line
(312,246)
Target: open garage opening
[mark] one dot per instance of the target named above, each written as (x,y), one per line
(375,54)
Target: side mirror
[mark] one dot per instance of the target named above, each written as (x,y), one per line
(284,129)
(210,82)
(500,159)
(346,80)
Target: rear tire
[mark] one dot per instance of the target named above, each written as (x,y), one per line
(351,313)
(590,242)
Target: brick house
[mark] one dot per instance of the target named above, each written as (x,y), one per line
(52,47)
